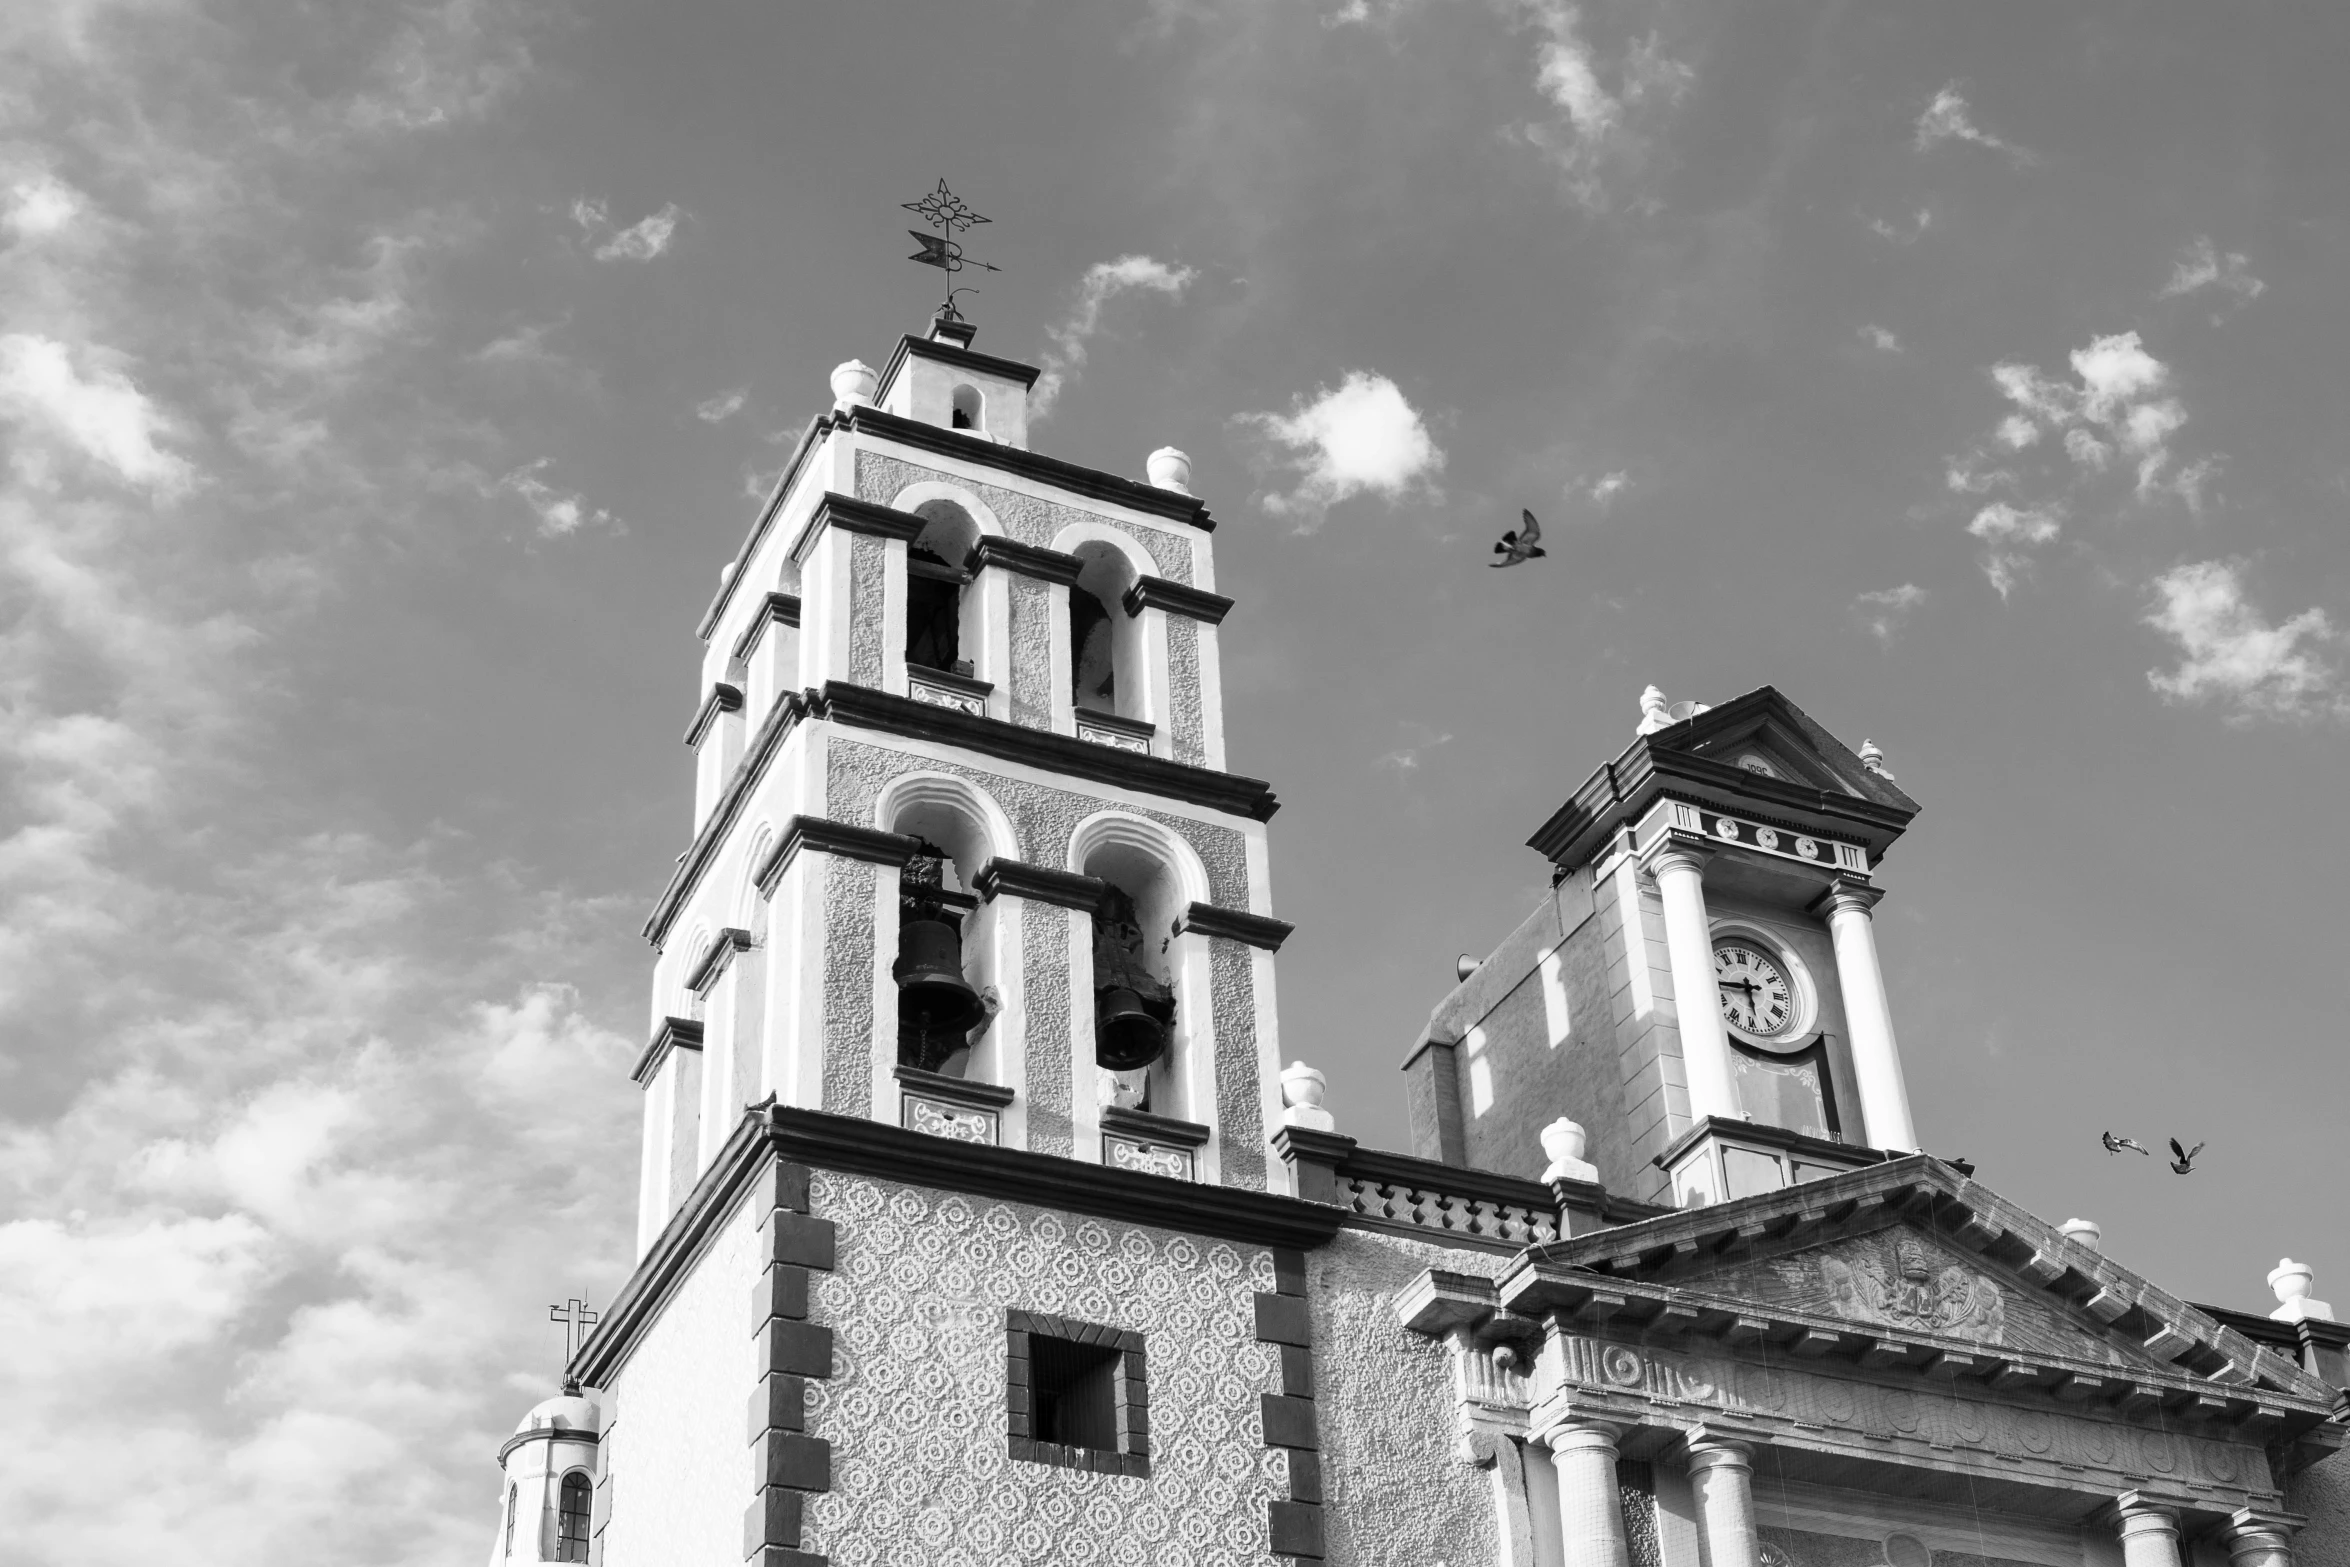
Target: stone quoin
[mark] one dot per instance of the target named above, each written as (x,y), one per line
(979,1220)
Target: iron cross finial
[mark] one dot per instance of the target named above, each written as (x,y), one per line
(576,1320)
(949,214)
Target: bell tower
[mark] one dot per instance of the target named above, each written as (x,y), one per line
(965,856)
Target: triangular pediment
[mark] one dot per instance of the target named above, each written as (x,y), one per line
(1765,735)
(1913,1252)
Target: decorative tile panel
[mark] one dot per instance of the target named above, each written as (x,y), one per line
(940,1118)
(1132,1153)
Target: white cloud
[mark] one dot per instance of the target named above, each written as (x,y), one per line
(1596,126)
(1103,281)
(2111,408)
(1897,234)
(2203,266)
(1603,490)
(1948,118)
(1884,611)
(2230,654)
(642,240)
(2012,532)
(1359,437)
(1406,758)
(525,345)
(724,406)
(97,411)
(561,513)
(2083,447)
(41,205)
(2017,432)
(1881,338)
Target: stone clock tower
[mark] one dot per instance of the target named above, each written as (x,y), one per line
(978,1223)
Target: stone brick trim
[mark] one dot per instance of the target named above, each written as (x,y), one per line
(1293,1526)
(1131,1392)
(790,1464)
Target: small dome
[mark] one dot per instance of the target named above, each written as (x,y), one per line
(567,1412)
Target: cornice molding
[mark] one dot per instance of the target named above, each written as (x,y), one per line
(1040,884)
(945,353)
(723,947)
(1846,892)
(818,427)
(1133,494)
(1255,930)
(780,609)
(825,836)
(851,515)
(724,697)
(1027,560)
(547,1434)
(958,1090)
(866,708)
(1176,599)
(781,719)
(1154,1128)
(675,1033)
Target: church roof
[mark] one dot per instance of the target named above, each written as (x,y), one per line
(1821,785)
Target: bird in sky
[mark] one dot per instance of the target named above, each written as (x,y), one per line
(2115,1144)
(1520,544)
(2185,1162)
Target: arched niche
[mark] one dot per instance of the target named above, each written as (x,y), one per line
(1154,877)
(965,827)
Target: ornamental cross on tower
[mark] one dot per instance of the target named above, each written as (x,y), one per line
(576,1320)
(947,212)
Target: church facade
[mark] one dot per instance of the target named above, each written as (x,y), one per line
(980,1223)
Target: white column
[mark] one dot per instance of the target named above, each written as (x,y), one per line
(1876,1060)
(2259,1538)
(1722,1473)
(1705,1042)
(1591,1505)
(2149,1531)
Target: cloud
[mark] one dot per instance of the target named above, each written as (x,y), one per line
(2012,532)
(1103,281)
(1598,128)
(525,345)
(2231,655)
(642,240)
(1948,118)
(1603,490)
(2202,266)
(724,406)
(1881,338)
(2111,408)
(2016,432)
(1359,437)
(93,409)
(40,206)
(1406,758)
(561,513)
(1897,234)
(1884,611)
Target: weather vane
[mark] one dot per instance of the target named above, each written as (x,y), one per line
(948,213)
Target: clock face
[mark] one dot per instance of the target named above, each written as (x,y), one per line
(1756,996)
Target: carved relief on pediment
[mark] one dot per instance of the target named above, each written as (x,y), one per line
(1900,1279)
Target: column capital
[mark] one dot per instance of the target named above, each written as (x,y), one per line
(1716,1445)
(1581,1435)
(2142,1512)
(1847,894)
(2263,1520)
(1677,849)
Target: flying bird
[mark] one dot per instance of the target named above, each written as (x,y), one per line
(2115,1144)
(1520,545)
(2185,1162)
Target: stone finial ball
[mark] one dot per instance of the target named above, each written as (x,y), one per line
(2291,1280)
(1564,1140)
(1302,1084)
(1169,469)
(2084,1231)
(852,383)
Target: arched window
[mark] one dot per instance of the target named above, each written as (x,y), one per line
(1105,643)
(1134,999)
(935,577)
(571,1521)
(946,935)
(967,411)
(513,1497)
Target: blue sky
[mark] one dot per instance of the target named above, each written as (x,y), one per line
(381,388)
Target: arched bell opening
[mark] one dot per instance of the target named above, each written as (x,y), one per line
(936,575)
(1135,1003)
(966,409)
(1105,642)
(938,1005)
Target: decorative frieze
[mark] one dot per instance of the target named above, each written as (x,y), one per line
(938,688)
(1780,843)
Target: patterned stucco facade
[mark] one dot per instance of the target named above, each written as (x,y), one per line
(915,1407)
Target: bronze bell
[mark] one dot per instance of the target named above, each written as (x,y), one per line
(933,995)
(1125,1036)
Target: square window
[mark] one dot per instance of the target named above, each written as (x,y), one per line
(1074,1394)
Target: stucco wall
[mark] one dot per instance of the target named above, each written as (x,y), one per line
(2321,1493)
(680,1468)
(1396,1493)
(1027,518)
(915,1408)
